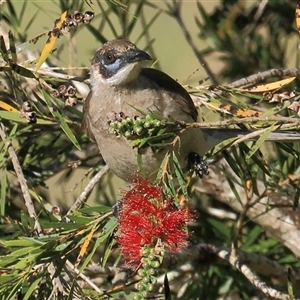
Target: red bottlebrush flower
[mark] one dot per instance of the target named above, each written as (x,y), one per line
(146,217)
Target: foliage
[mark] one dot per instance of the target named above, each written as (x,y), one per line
(68,250)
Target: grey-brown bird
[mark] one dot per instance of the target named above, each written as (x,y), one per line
(120,85)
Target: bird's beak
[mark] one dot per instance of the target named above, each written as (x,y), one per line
(136,55)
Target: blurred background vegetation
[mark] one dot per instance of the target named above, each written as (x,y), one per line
(192,41)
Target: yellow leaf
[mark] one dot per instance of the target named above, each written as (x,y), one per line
(270,86)
(7,107)
(234,111)
(53,35)
(85,245)
(297,18)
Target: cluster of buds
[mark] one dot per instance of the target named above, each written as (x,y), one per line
(279,96)
(67,93)
(139,126)
(295,106)
(27,112)
(72,21)
(150,261)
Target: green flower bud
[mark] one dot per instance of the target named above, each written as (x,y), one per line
(156,123)
(128,134)
(147,125)
(154,264)
(153,280)
(149,118)
(138,130)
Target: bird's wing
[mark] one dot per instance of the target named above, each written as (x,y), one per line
(86,117)
(173,88)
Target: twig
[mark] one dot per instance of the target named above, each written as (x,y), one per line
(257,282)
(84,278)
(208,253)
(257,17)
(176,15)
(289,121)
(254,79)
(279,223)
(21,179)
(49,72)
(84,194)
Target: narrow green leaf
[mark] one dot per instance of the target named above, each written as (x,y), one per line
(290,286)
(136,14)
(60,225)
(164,163)
(7,278)
(11,116)
(32,287)
(110,226)
(13,131)
(251,237)
(180,176)
(226,286)
(22,71)
(3,50)
(221,231)
(108,21)
(97,209)
(221,146)
(233,162)
(147,27)
(14,290)
(6,261)
(64,126)
(27,221)
(25,242)
(22,252)
(3,191)
(12,46)
(260,141)
(107,250)
(169,185)
(232,186)
(80,219)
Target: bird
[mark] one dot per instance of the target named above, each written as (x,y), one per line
(122,87)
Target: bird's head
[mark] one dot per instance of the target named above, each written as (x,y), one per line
(117,63)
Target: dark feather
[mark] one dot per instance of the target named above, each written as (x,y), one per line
(172,87)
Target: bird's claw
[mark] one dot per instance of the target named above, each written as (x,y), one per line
(197,164)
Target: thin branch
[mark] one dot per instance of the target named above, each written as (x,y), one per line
(278,222)
(245,262)
(84,278)
(289,122)
(49,72)
(254,79)
(21,179)
(85,193)
(257,17)
(175,13)
(257,282)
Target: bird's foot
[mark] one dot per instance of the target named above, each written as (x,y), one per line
(197,164)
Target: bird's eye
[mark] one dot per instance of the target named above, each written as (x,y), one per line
(109,58)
